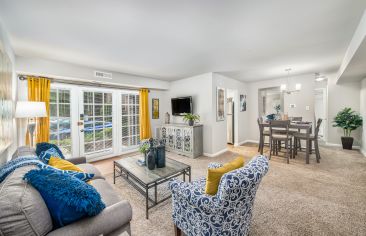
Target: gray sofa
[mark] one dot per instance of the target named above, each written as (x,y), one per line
(23,211)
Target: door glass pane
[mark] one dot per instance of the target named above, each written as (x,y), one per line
(60,120)
(130,120)
(97,121)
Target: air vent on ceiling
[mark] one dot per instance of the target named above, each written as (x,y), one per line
(102,75)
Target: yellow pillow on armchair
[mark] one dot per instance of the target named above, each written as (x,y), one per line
(214,175)
(62,164)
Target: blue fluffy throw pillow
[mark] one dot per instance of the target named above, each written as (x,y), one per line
(68,199)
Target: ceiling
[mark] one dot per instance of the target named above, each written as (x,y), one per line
(170,39)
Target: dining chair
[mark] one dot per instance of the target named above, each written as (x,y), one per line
(278,133)
(296,118)
(262,135)
(311,138)
(293,131)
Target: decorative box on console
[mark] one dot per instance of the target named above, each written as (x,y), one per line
(183,139)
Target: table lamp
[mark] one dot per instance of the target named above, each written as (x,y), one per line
(30,110)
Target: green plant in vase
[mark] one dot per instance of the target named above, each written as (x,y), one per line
(144,148)
(348,120)
(191,118)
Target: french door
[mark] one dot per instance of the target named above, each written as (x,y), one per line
(94,122)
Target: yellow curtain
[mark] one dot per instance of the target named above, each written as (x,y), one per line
(39,91)
(145,129)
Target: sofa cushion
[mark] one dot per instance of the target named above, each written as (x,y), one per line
(22,209)
(24,151)
(109,196)
(89,168)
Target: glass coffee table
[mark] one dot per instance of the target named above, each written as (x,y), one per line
(143,179)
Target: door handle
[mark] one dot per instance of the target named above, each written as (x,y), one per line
(80,123)
(82,130)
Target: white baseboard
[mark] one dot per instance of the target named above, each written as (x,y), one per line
(215,154)
(340,145)
(245,141)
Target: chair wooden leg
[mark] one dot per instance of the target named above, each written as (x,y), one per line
(177,231)
(295,148)
(260,143)
(270,148)
(299,140)
(287,154)
(311,147)
(317,153)
(291,150)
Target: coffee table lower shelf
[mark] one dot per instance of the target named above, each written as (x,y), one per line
(143,188)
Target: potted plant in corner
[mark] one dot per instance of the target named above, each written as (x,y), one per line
(348,120)
(191,118)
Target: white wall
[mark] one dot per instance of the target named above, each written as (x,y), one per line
(55,69)
(202,88)
(363,114)
(163,103)
(303,98)
(199,87)
(219,128)
(6,47)
(341,96)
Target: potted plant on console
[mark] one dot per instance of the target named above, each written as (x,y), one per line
(348,120)
(191,118)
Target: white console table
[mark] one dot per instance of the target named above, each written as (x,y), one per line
(183,139)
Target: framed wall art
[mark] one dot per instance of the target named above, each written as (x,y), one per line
(243,102)
(155,108)
(220,104)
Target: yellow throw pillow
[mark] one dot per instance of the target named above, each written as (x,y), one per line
(214,175)
(63,164)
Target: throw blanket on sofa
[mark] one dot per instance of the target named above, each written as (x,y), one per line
(10,166)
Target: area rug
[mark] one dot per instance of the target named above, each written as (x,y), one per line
(328,198)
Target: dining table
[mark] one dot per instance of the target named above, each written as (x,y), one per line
(301,125)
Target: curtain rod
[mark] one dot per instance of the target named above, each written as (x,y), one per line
(83,83)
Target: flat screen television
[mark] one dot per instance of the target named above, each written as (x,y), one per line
(181,105)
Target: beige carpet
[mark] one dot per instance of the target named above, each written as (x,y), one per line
(293,199)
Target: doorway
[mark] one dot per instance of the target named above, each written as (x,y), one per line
(97,123)
(232,106)
(320,110)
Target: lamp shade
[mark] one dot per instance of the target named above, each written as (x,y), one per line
(25,109)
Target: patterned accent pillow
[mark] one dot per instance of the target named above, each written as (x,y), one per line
(45,156)
(79,175)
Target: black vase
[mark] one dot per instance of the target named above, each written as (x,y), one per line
(151,156)
(160,156)
(347,142)
(191,122)
(151,160)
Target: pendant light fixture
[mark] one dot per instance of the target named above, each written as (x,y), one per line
(285,87)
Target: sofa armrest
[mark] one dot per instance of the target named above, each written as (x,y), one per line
(110,219)
(77,160)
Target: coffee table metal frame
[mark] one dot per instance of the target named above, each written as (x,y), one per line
(143,188)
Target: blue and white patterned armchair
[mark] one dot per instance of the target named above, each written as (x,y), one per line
(229,212)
